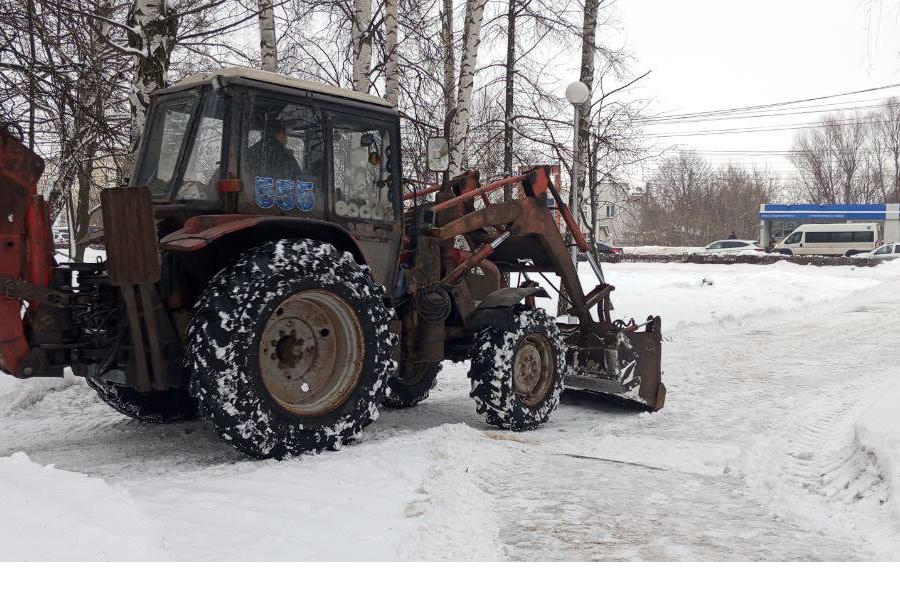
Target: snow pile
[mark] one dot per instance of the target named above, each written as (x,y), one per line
(878,432)
(50,514)
(346,505)
(685,293)
(16,395)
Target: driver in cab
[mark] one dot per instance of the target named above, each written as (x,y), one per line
(270,156)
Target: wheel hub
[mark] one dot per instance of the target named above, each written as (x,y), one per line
(311,352)
(533,369)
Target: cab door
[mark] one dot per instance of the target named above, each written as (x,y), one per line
(364,188)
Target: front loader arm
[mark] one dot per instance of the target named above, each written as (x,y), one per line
(527,215)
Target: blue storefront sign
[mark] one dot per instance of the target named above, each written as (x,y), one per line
(842,212)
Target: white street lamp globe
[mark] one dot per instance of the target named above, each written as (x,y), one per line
(577,93)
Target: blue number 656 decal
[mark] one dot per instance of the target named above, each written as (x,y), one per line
(285,193)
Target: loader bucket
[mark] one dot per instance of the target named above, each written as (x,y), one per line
(620,361)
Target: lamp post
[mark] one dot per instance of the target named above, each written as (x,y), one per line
(577,93)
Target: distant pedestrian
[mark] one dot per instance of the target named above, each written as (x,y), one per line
(732,236)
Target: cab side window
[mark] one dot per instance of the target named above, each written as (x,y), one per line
(794,238)
(283,155)
(362,169)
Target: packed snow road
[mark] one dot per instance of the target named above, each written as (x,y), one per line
(779,441)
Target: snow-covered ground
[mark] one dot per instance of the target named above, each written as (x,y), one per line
(780,440)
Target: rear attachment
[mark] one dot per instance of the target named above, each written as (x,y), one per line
(26,260)
(105,320)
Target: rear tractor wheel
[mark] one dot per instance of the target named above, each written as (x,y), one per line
(517,376)
(290,349)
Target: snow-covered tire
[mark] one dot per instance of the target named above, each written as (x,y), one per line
(406,393)
(264,365)
(517,376)
(170,406)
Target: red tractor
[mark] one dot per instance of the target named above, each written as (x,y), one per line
(264,270)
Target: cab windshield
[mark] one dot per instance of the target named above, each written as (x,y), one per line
(167,148)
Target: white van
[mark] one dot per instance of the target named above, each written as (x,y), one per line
(838,239)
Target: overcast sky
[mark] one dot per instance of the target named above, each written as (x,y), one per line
(718,54)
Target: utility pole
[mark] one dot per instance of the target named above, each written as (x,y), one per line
(577,94)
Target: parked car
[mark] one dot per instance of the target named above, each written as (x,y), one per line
(830,239)
(731,247)
(607,249)
(883,252)
(602,248)
(61,237)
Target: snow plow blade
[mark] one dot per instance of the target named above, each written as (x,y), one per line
(619,360)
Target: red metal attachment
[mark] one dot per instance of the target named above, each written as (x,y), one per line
(25,244)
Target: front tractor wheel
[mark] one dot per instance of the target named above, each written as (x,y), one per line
(170,406)
(290,349)
(517,376)
(410,388)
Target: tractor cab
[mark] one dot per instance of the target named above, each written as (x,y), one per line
(241,141)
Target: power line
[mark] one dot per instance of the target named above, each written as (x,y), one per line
(763,114)
(757,107)
(765,129)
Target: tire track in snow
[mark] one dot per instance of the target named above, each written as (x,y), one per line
(820,473)
(738,382)
(807,464)
(558,508)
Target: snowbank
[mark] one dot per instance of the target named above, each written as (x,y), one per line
(685,293)
(49,514)
(878,432)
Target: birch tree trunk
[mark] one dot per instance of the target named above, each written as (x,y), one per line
(391,82)
(361,44)
(508,104)
(268,46)
(152,30)
(449,62)
(467,63)
(588,52)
